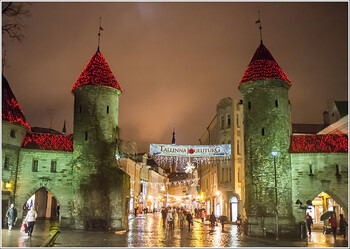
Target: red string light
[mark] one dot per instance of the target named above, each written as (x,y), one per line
(47,141)
(263,66)
(329,143)
(97,72)
(11,110)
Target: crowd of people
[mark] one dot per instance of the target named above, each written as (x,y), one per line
(170,214)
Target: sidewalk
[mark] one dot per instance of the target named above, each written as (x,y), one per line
(42,231)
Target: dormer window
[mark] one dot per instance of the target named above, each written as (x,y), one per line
(13,133)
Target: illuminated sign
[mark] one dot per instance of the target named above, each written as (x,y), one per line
(190,150)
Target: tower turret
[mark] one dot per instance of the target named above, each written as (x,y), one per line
(267,125)
(100,187)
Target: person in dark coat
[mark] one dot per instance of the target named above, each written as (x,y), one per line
(342,225)
(189,219)
(212,220)
(334,225)
(11,215)
(164,213)
(309,222)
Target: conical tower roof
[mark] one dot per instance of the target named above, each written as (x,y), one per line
(263,66)
(11,111)
(97,72)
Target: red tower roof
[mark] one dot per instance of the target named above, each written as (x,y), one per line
(263,66)
(97,72)
(11,111)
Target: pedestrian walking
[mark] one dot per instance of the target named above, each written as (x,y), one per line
(11,215)
(135,212)
(30,220)
(342,225)
(189,219)
(334,225)
(164,214)
(181,218)
(309,222)
(239,220)
(212,220)
(169,219)
(202,215)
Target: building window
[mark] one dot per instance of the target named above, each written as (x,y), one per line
(107,109)
(249,105)
(228,120)
(35,166)
(53,166)
(238,153)
(13,133)
(222,122)
(86,136)
(276,102)
(237,120)
(6,163)
(263,131)
(80,109)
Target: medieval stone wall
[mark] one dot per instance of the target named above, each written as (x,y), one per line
(59,183)
(307,185)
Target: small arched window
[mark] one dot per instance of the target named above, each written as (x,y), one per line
(263,131)
(249,105)
(276,102)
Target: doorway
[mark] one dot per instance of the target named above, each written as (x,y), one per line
(234,208)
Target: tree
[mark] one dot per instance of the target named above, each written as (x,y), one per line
(11,17)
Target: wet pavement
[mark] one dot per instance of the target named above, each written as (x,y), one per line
(146,230)
(15,238)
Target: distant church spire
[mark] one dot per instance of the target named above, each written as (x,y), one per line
(259,21)
(99,35)
(64,130)
(173,142)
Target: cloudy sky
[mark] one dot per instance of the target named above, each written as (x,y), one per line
(175,61)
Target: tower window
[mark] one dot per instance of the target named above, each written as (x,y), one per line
(6,163)
(35,166)
(263,131)
(238,153)
(237,118)
(310,168)
(53,166)
(107,109)
(249,105)
(228,120)
(13,133)
(80,109)
(337,170)
(276,102)
(86,136)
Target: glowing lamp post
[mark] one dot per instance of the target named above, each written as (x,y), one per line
(274,154)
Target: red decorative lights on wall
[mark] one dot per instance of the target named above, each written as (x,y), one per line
(263,66)
(47,141)
(11,111)
(329,143)
(97,72)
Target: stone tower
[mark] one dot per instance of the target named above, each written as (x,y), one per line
(267,125)
(100,187)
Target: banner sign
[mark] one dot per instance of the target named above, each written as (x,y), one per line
(190,150)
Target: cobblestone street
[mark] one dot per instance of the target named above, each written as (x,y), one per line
(146,230)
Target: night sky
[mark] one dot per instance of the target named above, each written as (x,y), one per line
(175,61)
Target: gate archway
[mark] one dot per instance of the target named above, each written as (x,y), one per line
(45,203)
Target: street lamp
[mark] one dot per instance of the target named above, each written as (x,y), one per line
(274,154)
